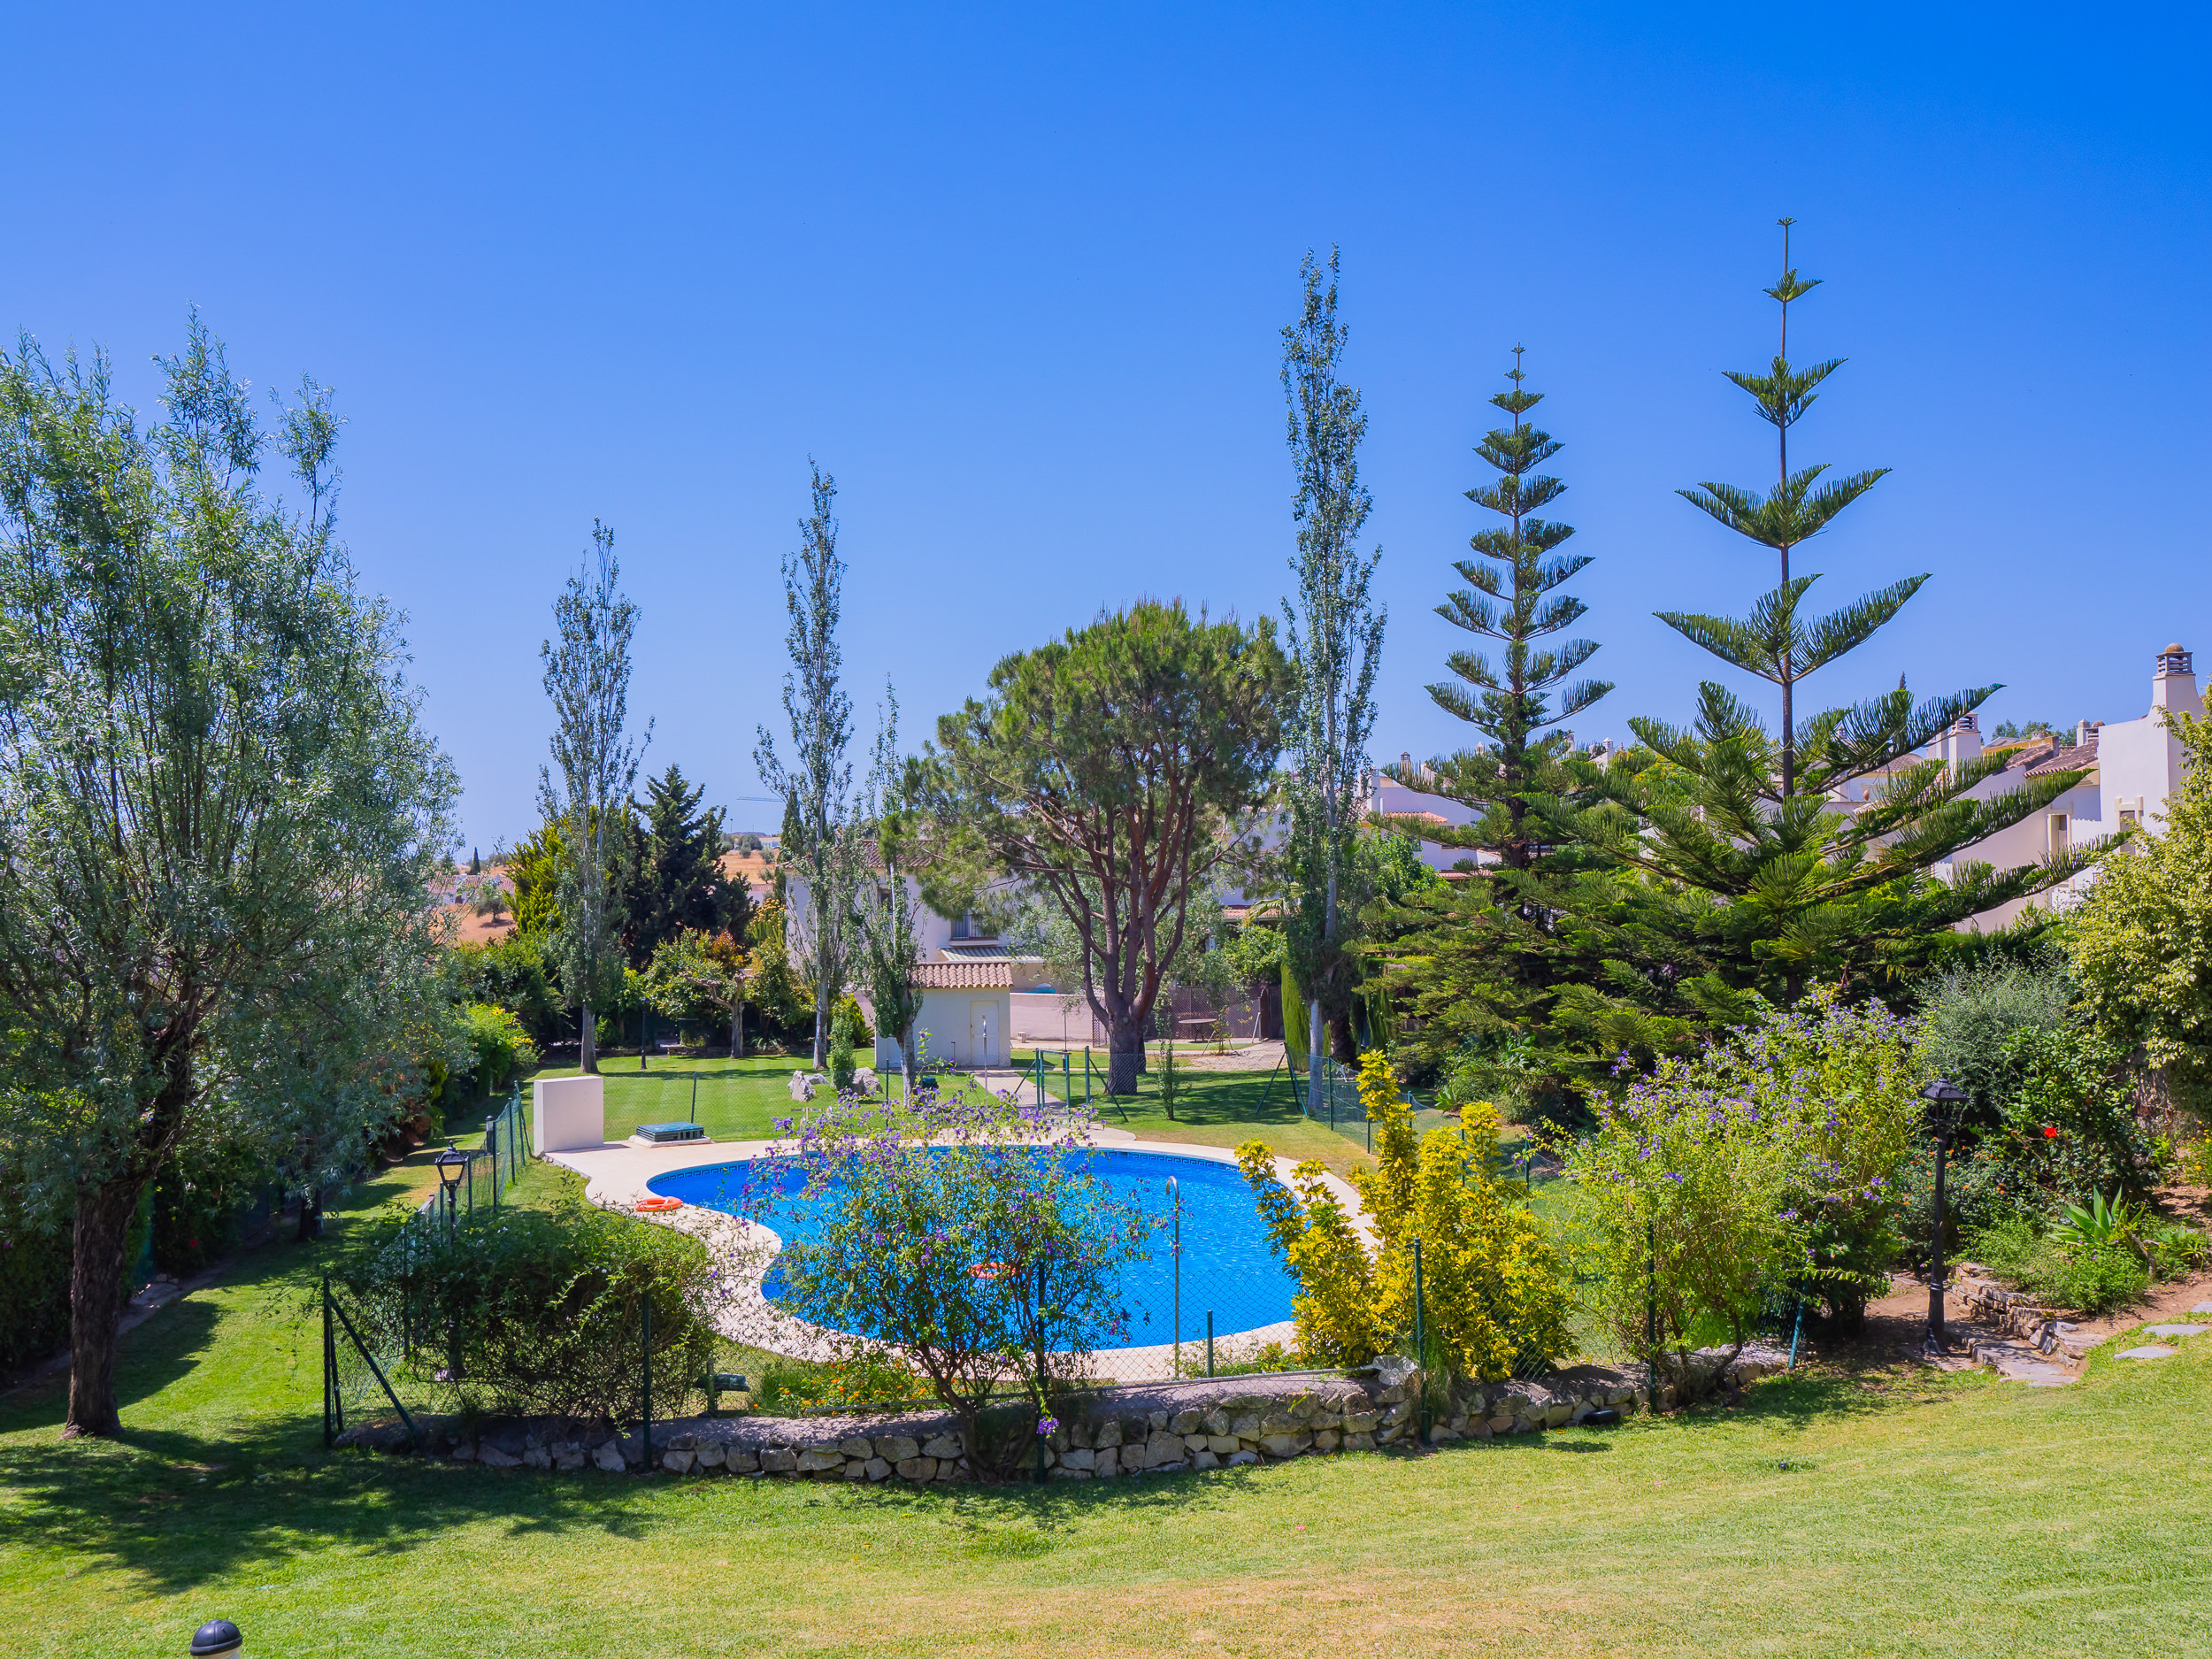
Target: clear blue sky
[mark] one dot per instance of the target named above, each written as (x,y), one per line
(1016,275)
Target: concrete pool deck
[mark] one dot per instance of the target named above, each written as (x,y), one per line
(617,1175)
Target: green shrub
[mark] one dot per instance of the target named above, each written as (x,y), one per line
(538,1312)
(34,1293)
(1764,1168)
(2022,1251)
(499,1047)
(513,973)
(1969,1017)
(2072,1129)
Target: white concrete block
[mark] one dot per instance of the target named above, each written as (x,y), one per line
(568,1112)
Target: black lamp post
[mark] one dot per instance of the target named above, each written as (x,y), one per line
(1944,1099)
(453,1163)
(217,1636)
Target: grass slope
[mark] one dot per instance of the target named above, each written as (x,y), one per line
(1915,1515)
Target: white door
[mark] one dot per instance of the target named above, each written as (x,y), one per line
(979,1049)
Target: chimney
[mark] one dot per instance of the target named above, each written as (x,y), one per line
(2174,684)
(2085,732)
(1961,742)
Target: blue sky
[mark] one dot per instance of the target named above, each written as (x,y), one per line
(1016,275)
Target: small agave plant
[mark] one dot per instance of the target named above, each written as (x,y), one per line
(2102,1224)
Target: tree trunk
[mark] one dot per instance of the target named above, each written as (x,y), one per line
(737,1032)
(1125,1056)
(821,1020)
(96,1303)
(586,1052)
(1341,1041)
(906,1057)
(1315,1102)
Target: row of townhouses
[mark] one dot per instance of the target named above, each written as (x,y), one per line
(2132,766)
(981,999)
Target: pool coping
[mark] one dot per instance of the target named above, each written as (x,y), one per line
(617,1176)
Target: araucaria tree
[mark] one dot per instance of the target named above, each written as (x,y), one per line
(1542,950)
(219,815)
(1110,770)
(587,676)
(816,787)
(1511,599)
(1334,637)
(1807,886)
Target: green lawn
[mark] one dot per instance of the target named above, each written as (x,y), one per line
(1950,1516)
(742,1100)
(1891,1513)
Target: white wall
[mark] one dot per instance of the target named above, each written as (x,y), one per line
(948,1019)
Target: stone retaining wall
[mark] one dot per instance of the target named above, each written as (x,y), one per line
(1227,1422)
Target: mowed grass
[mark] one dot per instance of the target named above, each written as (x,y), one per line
(1915,1515)
(742,1100)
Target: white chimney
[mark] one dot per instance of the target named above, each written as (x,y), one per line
(2085,732)
(2174,684)
(1960,744)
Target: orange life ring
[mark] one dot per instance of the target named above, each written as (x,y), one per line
(654,1206)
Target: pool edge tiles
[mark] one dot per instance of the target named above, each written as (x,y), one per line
(1228,1266)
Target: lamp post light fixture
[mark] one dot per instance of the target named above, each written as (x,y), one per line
(452,1165)
(1944,1099)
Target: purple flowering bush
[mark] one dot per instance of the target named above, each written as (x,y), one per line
(961,1238)
(1763,1167)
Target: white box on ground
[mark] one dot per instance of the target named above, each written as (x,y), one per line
(568,1112)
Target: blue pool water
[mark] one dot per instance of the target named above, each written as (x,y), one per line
(1228,1265)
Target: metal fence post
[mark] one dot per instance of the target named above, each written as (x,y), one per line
(330,1367)
(1209,1341)
(1175,1255)
(1651,1322)
(1420,1342)
(1040,1381)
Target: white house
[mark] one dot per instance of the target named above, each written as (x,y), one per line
(2133,765)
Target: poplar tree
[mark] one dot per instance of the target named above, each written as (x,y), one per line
(1752,816)
(1333,637)
(817,786)
(588,677)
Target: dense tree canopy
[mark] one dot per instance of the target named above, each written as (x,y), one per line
(1113,771)
(219,813)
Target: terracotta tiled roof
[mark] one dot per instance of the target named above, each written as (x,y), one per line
(962,976)
(2079,757)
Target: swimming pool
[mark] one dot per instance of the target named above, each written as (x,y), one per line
(1229,1268)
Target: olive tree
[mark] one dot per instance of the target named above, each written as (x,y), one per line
(1111,770)
(218,813)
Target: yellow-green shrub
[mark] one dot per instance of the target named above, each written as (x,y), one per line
(1492,1294)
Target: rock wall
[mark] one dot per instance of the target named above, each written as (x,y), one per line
(1227,1422)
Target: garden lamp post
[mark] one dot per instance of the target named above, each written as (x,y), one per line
(1944,1099)
(218,1636)
(453,1163)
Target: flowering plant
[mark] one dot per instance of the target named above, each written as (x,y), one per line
(961,1236)
(1763,1167)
